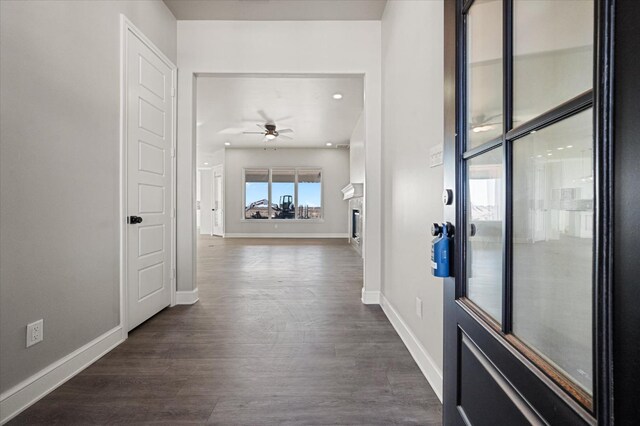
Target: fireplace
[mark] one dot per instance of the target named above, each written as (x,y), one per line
(355,225)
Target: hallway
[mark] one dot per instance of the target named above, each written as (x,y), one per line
(279,336)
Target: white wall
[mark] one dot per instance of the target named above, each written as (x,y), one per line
(412,69)
(59,153)
(357,152)
(335,175)
(312,47)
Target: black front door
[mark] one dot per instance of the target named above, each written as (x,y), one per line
(528,158)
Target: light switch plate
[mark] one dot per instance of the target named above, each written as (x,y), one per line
(435,155)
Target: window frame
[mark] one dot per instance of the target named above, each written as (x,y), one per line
(295,195)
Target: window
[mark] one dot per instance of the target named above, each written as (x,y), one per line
(309,194)
(283,188)
(256,194)
(275,193)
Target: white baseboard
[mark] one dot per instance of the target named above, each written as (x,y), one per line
(187,297)
(282,235)
(428,367)
(24,394)
(370,297)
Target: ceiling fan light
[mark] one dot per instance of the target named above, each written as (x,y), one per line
(479,129)
(337,96)
(270,137)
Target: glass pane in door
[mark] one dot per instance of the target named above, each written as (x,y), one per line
(553,54)
(484,232)
(553,244)
(484,72)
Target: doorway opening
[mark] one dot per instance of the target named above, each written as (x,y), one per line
(274,153)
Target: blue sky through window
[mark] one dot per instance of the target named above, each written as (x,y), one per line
(309,194)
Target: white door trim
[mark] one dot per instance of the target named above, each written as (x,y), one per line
(125,26)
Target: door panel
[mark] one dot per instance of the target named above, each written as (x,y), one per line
(519,312)
(483,387)
(149,180)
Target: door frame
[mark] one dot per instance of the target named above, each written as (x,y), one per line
(218,168)
(603,102)
(370,293)
(125,26)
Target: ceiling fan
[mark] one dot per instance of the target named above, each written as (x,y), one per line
(482,123)
(270,132)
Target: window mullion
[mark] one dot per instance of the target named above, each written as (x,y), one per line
(269,212)
(507,226)
(295,196)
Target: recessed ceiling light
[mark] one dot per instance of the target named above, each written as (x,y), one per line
(206,164)
(569,146)
(539,156)
(199,123)
(560,148)
(337,96)
(227,143)
(549,154)
(328,144)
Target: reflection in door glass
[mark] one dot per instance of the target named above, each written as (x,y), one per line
(484,232)
(553,54)
(484,72)
(552,244)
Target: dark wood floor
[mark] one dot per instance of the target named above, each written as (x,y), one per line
(279,336)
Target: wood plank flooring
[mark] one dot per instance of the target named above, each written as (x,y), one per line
(279,336)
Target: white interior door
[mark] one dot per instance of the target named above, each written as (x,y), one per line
(206,202)
(149,181)
(218,201)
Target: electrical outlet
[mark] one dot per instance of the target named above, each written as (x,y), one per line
(35,332)
(419,307)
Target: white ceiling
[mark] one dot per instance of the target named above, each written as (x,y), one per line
(228,104)
(277,10)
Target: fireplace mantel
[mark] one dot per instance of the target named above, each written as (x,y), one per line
(353,190)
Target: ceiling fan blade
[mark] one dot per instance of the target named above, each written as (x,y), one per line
(231,131)
(285,137)
(482,120)
(285,131)
(265,116)
(253,133)
(286,117)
